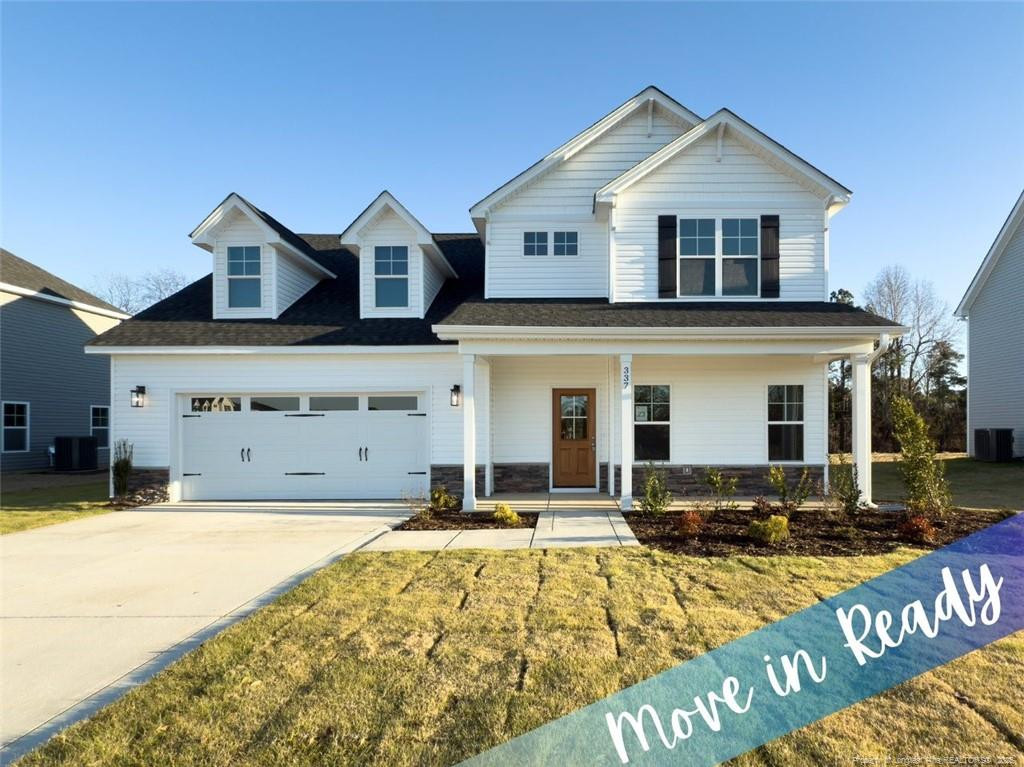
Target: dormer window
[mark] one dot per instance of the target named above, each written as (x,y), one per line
(391,275)
(244,277)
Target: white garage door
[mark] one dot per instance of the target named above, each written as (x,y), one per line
(317,446)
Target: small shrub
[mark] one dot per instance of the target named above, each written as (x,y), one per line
(442,502)
(723,488)
(503,514)
(691,522)
(773,530)
(791,497)
(121,466)
(656,498)
(923,476)
(849,533)
(917,528)
(844,486)
(763,506)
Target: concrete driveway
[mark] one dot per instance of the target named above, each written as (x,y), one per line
(92,607)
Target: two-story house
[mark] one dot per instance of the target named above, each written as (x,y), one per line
(655,290)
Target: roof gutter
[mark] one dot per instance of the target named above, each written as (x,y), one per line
(458,332)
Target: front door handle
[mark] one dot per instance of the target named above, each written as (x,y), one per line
(248,454)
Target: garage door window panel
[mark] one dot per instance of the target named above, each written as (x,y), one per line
(271,404)
(393,403)
(216,404)
(333,403)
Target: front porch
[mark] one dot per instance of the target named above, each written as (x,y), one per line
(548,421)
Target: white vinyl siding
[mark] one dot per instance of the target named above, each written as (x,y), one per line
(562,200)
(996,349)
(293,281)
(742,185)
(388,230)
(148,428)
(433,281)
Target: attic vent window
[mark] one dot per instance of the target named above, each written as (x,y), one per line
(244,280)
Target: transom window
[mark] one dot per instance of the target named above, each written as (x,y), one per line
(382,402)
(333,403)
(244,280)
(216,404)
(391,275)
(785,423)
(99,424)
(15,436)
(719,257)
(566,243)
(651,423)
(535,243)
(265,404)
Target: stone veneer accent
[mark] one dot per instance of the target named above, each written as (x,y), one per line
(145,486)
(753,479)
(451,477)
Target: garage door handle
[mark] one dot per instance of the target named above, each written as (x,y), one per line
(248,454)
(360,454)
(242,452)
(367,454)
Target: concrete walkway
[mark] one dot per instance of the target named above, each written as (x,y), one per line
(566,520)
(90,608)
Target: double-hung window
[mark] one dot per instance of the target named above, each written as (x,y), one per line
(535,243)
(99,424)
(244,277)
(15,435)
(719,257)
(785,423)
(651,419)
(391,275)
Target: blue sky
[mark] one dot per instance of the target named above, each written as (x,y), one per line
(125,124)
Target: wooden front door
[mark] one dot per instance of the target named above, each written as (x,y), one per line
(574,432)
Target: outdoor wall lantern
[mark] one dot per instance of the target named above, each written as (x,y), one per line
(138,396)
(456,395)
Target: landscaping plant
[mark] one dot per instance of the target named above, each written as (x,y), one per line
(723,488)
(791,497)
(844,486)
(503,514)
(442,502)
(773,530)
(762,505)
(923,476)
(656,497)
(691,522)
(917,528)
(121,466)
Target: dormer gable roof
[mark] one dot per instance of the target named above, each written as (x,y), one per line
(721,121)
(384,202)
(275,232)
(1010,226)
(648,97)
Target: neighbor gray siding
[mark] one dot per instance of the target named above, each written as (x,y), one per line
(42,362)
(996,348)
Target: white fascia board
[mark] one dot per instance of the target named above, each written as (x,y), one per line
(14,289)
(352,236)
(747,132)
(460,332)
(582,140)
(202,235)
(264,350)
(1013,221)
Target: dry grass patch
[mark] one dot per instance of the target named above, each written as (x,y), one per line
(41,506)
(410,658)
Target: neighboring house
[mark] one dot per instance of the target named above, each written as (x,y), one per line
(49,386)
(653,290)
(995,336)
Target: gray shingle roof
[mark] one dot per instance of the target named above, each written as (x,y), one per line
(24,274)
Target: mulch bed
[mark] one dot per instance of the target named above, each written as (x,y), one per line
(464,521)
(813,532)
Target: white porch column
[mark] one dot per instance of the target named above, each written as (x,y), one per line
(625,384)
(487,412)
(611,426)
(861,422)
(468,432)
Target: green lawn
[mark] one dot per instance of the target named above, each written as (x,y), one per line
(411,658)
(975,484)
(26,509)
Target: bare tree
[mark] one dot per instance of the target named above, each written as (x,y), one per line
(133,294)
(895,296)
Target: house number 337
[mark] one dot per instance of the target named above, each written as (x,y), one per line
(625,376)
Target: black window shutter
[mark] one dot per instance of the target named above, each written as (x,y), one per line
(769,256)
(667,257)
